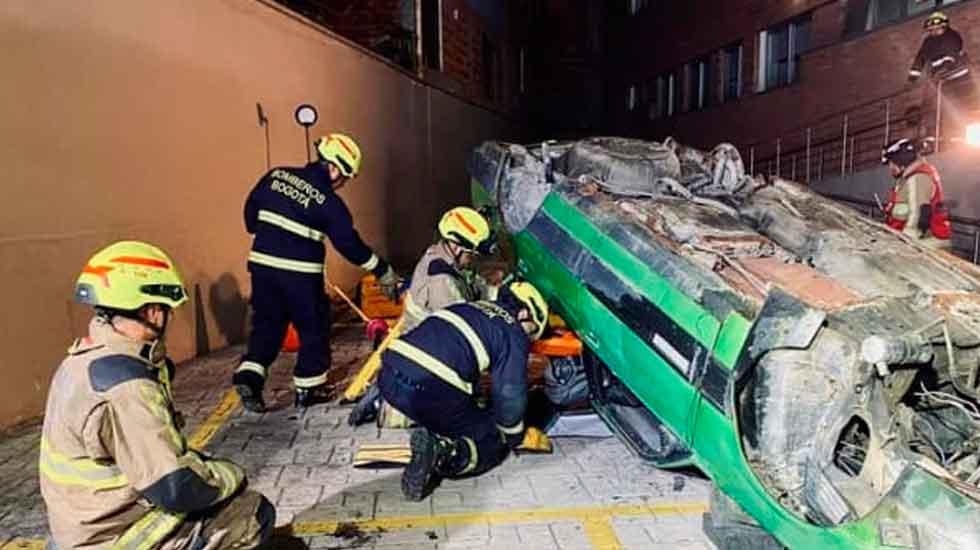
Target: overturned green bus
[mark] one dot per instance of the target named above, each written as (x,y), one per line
(821,368)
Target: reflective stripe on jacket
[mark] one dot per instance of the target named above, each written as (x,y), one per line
(291,211)
(457,344)
(115,470)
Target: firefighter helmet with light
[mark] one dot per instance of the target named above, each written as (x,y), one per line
(342,151)
(467,228)
(128,275)
(902,152)
(527,296)
(936,19)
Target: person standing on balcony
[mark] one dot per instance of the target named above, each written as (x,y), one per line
(915,205)
(941,52)
(942,57)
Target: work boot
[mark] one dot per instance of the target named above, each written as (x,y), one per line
(307,397)
(423,473)
(367,407)
(249,388)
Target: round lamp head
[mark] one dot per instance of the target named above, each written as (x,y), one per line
(306,115)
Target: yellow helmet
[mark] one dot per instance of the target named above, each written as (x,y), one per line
(128,275)
(530,298)
(936,19)
(467,228)
(342,151)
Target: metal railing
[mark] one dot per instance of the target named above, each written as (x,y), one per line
(967,246)
(850,140)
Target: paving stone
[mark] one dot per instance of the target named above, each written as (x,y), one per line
(294,474)
(632,532)
(570,535)
(359,505)
(297,496)
(474,533)
(536,536)
(425,537)
(394,505)
(504,536)
(677,529)
(328,476)
(265,476)
(565,489)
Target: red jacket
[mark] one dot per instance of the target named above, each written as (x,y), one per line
(938,217)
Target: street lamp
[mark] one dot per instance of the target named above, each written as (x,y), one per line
(306,116)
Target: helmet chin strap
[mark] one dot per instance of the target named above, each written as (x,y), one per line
(157,330)
(449,246)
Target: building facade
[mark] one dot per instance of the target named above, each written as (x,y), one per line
(564,67)
(803,87)
(472,48)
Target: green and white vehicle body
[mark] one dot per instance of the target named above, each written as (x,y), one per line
(746,326)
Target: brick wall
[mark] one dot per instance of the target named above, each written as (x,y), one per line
(462,32)
(369,21)
(362,21)
(836,75)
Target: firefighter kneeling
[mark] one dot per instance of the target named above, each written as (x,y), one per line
(115,470)
(916,205)
(432,375)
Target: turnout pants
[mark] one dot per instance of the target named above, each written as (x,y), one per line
(278,298)
(447,412)
(241,523)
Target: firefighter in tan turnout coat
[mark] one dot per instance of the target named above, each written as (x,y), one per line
(116,473)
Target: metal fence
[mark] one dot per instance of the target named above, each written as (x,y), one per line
(851,140)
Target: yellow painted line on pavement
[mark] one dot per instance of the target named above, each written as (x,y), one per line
(601,534)
(205,432)
(595,520)
(23,544)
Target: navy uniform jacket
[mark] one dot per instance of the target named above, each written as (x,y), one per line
(944,51)
(458,343)
(290,211)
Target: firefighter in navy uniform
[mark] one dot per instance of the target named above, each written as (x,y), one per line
(290,211)
(432,375)
(115,470)
(941,52)
(442,277)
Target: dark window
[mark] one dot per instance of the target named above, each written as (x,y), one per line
(866,15)
(731,63)
(431,34)
(491,63)
(780,50)
(664,96)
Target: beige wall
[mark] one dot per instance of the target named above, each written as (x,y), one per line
(125,119)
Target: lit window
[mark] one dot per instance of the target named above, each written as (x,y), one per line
(631,98)
(780,48)
(636,5)
(700,83)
